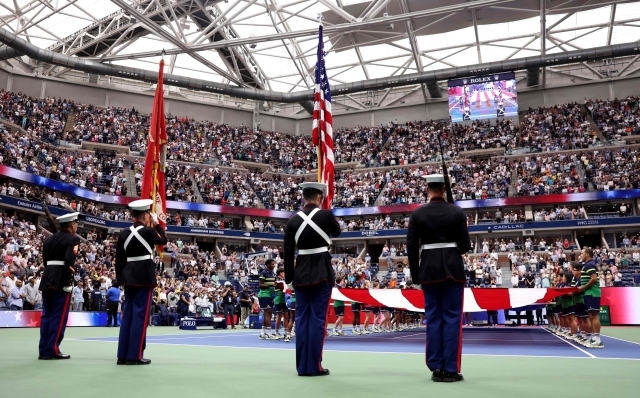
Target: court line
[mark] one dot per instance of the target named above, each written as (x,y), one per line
(496,340)
(409,335)
(372,352)
(572,345)
(200,336)
(617,338)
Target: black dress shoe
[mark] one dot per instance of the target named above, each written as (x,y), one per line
(437,376)
(121,361)
(40,357)
(140,362)
(59,356)
(323,372)
(450,377)
(107,326)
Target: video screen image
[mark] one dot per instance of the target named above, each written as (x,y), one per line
(483,97)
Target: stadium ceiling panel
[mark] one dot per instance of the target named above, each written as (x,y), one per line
(270,44)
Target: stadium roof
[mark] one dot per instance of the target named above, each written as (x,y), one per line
(271,45)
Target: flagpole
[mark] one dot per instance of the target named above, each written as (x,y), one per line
(319,148)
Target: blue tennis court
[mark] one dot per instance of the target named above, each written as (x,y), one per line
(524,341)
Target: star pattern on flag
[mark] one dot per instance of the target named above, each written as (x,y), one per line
(18,316)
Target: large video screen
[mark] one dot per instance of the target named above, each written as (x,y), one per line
(483,97)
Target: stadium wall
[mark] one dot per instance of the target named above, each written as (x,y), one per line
(116,94)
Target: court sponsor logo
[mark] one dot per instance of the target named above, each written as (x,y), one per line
(508,226)
(95,220)
(188,323)
(480,80)
(369,233)
(30,205)
(588,222)
(206,231)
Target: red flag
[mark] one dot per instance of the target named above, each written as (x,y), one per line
(153,182)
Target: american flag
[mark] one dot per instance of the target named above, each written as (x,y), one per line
(322,124)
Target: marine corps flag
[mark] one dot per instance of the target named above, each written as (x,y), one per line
(153,183)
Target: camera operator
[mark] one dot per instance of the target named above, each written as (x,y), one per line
(229,303)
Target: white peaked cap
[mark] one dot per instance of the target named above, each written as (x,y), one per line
(68,218)
(434,178)
(314,185)
(141,205)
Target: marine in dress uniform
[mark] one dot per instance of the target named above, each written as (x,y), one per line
(135,270)
(311,274)
(440,230)
(59,257)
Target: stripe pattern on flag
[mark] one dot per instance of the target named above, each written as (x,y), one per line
(475,300)
(322,134)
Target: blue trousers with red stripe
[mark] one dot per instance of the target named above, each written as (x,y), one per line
(53,321)
(443,312)
(312,303)
(134,322)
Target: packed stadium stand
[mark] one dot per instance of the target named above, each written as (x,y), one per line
(537,132)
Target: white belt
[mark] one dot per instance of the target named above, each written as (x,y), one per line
(313,251)
(439,245)
(55,262)
(139,258)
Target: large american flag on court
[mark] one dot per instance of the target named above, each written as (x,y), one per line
(474,300)
(323,124)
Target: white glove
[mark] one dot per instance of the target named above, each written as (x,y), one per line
(154,217)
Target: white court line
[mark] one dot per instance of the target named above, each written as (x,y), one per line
(150,338)
(496,340)
(204,335)
(370,352)
(409,335)
(572,345)
(616,338)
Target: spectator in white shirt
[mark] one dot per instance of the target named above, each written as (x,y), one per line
(16,297)
(623,210)
(78,299)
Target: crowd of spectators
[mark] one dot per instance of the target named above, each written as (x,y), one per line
(534,270)
(610,170)
(27,151)
(45,117)
(511,245)
(417,142)
(374,224)
(277,192)
(481,179)
(225,187)
(482,271)
(616,118)
(547,174)
(546,129)
(356,144)
(357,189)
(559,127)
